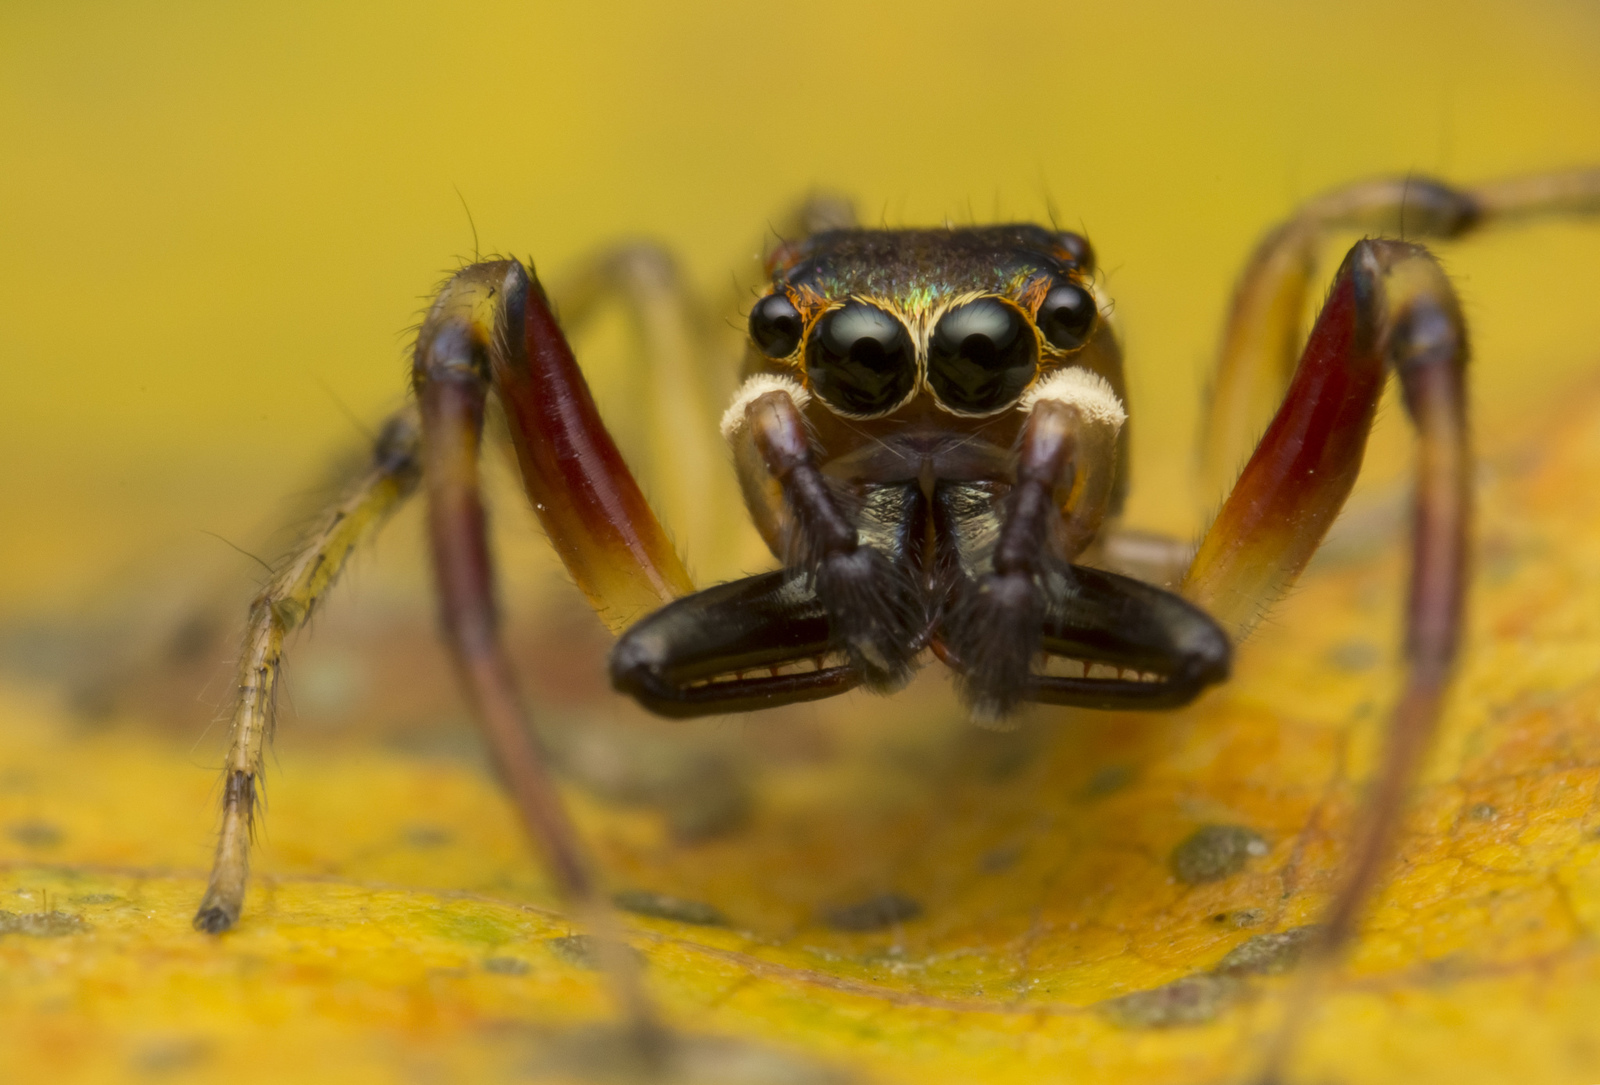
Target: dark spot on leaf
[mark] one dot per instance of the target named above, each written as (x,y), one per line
(474,926)
(34,834)
(1212,852)
(42,924)
(1239,918)
(192,640)
(1451,968)
(662,906)
(1000,755)
(1112,778)
(1193,1000)
(1000,859)
(696,813)
(506,966)
(1267,954)
(873,914)
(171,1055)
(1354,655)
(581,951)
(427,836)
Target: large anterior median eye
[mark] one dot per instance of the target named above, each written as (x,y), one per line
(859,360)
(981,357)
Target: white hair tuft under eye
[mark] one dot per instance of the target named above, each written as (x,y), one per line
(1081,388)
(733,419)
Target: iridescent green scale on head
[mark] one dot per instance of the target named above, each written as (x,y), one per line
(918,268)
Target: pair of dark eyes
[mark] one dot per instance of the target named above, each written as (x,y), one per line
(981,356)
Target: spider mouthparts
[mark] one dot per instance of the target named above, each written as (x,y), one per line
(1048,665)
(806,665)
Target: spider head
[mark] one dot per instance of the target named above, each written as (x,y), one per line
(964,319)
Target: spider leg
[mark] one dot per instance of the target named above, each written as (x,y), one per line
(587,500)
(283,606)
(671,389)
(679,375)
(1391,307)
(1263,334)
(491,327)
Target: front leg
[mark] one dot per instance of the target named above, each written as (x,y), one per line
(492,327)
(587,500)
(1391,307)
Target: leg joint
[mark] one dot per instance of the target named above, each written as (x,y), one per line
(239,794)
(395,452)
(458,331)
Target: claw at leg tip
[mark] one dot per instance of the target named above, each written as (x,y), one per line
(213,920)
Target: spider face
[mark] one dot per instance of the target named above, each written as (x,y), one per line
(964,319)
(917,346)
(930,432)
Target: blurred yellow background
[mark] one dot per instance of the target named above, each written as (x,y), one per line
(217,225)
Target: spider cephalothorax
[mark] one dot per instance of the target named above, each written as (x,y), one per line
(928,434)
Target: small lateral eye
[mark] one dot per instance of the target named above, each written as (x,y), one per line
(1066,316)
(859,359)
(981,357)
(1078,245)
(775,326)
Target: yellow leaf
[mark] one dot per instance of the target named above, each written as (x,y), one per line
(910,899)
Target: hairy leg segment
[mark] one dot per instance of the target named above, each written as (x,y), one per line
(490,331)
(283,606)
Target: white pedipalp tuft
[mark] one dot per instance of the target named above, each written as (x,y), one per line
(1084,389)
(733,419)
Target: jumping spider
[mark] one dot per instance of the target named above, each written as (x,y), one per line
(930,437)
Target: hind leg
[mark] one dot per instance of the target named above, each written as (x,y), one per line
(283,606)
(1263,336)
